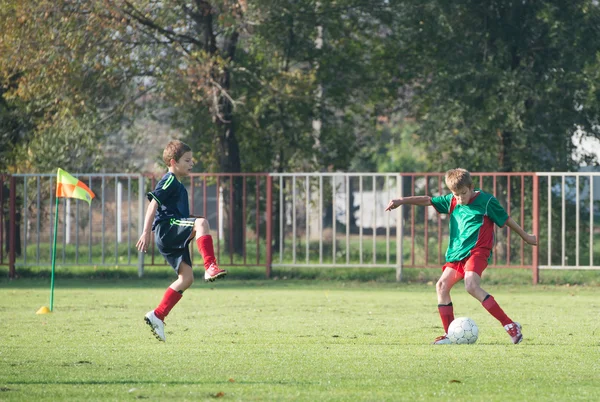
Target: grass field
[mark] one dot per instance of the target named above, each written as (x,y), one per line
(292,340)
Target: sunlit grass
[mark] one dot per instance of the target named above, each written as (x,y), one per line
(292,340)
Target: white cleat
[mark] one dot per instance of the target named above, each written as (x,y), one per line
(442,340)
(156,325)
(514,331)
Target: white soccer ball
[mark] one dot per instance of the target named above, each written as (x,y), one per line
(463,330)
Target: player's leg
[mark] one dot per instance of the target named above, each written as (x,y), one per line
(450,276)
(185,278)
(444,285)
(204,242)
(473,270)
(156,318)
(473,285)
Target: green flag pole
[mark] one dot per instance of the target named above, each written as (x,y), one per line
(54,255)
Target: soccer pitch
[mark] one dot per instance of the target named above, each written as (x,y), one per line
(293,340)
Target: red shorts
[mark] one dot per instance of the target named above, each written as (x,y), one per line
(476,262)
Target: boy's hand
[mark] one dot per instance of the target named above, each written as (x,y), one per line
(143,242)
(530,239)
(393,205)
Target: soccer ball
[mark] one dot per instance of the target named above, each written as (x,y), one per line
(463,330)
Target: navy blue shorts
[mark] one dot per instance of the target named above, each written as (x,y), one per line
(173,239)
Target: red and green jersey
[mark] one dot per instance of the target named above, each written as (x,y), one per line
(471,225)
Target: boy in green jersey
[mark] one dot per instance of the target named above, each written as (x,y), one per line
(472,214)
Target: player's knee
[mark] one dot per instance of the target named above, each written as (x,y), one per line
(187,280)
(441,287)
(471,287)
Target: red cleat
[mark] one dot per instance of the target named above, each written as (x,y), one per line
(214,272)
(514,331)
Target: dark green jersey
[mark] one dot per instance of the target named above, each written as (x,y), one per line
(172,199)
(471,225)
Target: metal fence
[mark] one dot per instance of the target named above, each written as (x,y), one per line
(315,220)
(104,234)
(236,206)
(101,234)
(516,192)
(569,220)
(333,220)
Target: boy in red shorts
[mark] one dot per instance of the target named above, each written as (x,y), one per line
(473,214)
(168,216)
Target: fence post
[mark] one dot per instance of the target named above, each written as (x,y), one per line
(269,234)
(12,232)
(399,231)
(536,230)
(141,215)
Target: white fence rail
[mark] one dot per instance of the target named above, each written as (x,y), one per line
(101,234)
(336,220)
(571,220)
(316,220)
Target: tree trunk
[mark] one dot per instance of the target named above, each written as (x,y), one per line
(230,153)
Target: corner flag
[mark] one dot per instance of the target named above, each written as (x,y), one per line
(70,187)
(67,186)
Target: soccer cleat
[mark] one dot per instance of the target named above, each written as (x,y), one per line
(514,331)
(156,325)
(442,340)
(214,272)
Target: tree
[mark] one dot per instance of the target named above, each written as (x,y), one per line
(59,82)
(503,85)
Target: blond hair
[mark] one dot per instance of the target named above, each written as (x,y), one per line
(175,150)
(458,178)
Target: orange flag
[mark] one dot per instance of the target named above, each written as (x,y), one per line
(70,187)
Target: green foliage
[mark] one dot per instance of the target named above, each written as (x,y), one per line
(56,146)
(58,77)
(503,85)
(304,85)
(14,128)
(396,147)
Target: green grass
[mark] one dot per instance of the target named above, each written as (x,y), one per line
(292,340)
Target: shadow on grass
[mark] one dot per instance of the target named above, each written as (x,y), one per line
(158,382)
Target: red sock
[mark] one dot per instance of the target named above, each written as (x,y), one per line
(494,309)
(169,300)
(446,314)
(205,246)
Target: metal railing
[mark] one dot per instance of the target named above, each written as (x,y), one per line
(101,234)
(236,206)
(570,204)
(314,220)
(517,193)
(335,220)
(358,200)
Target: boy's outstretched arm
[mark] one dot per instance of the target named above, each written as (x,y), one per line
(144,241)
(423,200)
(514,226)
